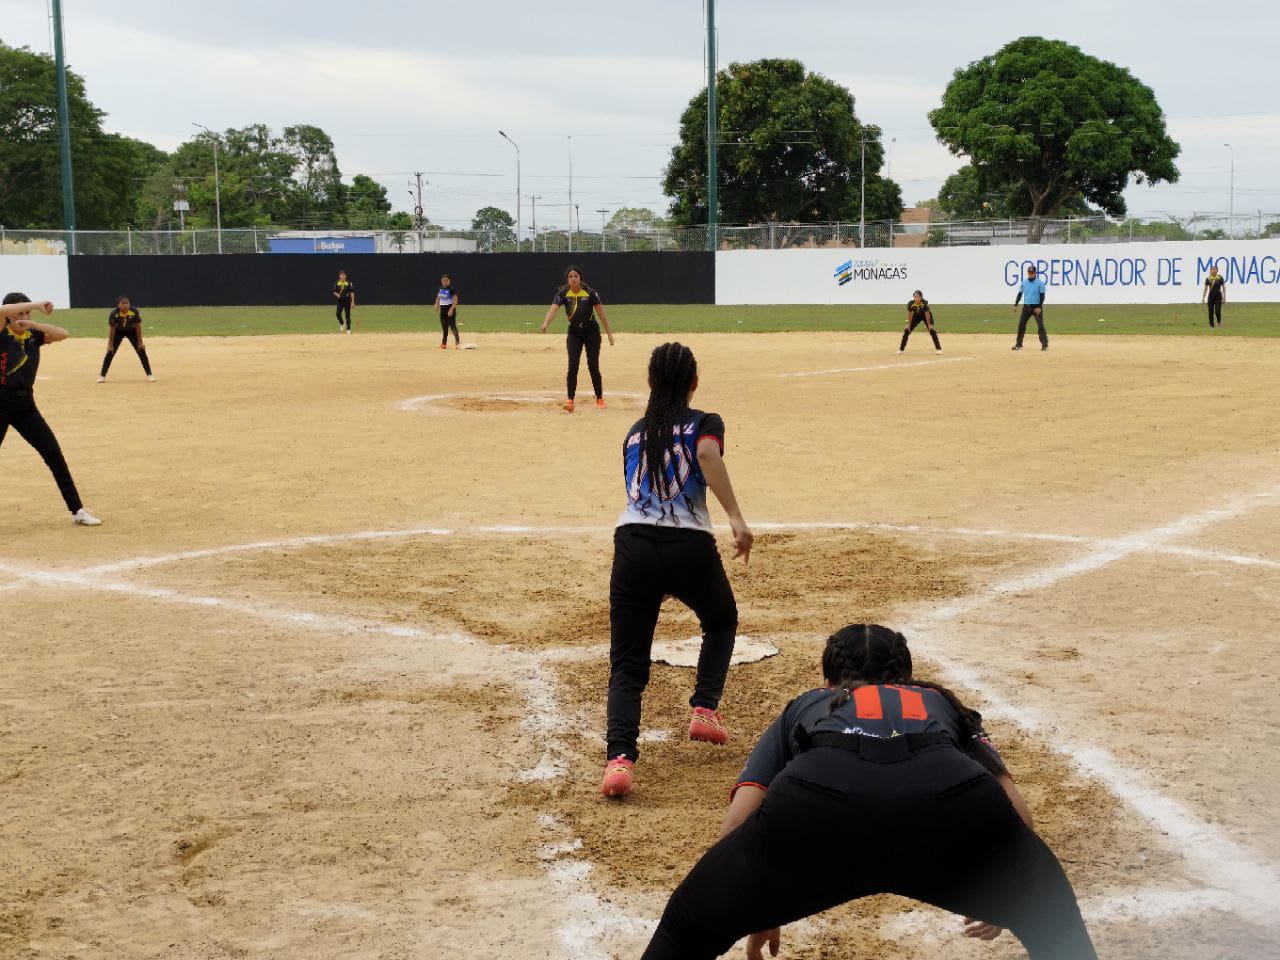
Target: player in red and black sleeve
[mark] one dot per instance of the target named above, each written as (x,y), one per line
(124,323)
(20,341)
(877,783)
(918,312)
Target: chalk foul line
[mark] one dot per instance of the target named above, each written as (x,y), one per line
(879,366)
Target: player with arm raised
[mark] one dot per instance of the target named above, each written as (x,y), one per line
(20,341)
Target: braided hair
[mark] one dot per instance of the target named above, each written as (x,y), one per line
(865,654)
(672,374)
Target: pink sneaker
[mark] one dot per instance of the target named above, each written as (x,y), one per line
(617,777)
(705,725)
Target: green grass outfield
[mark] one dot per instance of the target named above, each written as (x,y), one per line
(1244,320)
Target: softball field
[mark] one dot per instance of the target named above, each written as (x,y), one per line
(329,680)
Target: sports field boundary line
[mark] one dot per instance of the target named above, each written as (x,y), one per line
(312,540)
(881,366)
(1222,863)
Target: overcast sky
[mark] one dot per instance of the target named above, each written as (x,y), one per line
(425,86)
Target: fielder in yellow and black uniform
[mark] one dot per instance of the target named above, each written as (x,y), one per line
(344,292)
(579,301)
(918,312)
(1215,294)
(124,323)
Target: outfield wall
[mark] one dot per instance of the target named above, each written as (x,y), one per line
(1129,273)
(44,278)
(300,279)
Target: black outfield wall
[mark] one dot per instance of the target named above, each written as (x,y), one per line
(270,279)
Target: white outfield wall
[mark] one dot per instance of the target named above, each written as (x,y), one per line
(39,277)
(1139,273)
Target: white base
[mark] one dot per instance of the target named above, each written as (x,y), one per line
(685,653)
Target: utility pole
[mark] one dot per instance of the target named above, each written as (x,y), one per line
(713,133)
(533,206)
(517,146)
(64,129)
(862,206)
(571,193)
(419,216)
(603,212)
(1231,215)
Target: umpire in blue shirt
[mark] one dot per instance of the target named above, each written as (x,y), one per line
(1031,296)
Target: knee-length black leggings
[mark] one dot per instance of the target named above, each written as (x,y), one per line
(448,323)
(649,564)
(118,336)
(23,416)
(587,338)
(834,826)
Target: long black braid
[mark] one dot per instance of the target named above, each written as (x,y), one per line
(672,372)
(863,654)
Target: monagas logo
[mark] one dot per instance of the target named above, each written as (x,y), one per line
(869,270)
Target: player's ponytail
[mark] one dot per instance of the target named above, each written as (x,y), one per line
(863,654)
(672,372)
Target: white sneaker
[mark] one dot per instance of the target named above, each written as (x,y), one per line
(348,329)
(85,519)
(902,351)
(151,378)
(102,379)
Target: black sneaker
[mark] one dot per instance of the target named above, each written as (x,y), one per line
(1044,346)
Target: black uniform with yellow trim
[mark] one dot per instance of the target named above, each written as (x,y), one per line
(584,333)
(344,290)
(125,325)
(880,794)
(19,361)
(1215,286)
(918,312)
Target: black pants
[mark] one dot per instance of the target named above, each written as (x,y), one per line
(448,323)
(650,563)
(916,321)
(1028,311)
(119,335)
(344,306)
(21,413)
(587,336)
(835,826)
(1215,312)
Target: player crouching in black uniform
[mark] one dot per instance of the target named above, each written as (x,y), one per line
(124,323)
(918,312)
(875,783)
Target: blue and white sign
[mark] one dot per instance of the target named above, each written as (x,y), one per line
(322,244)
(1170,272)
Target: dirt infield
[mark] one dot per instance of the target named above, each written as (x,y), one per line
(328,681)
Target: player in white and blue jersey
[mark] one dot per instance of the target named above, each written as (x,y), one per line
(664,546)
(447,302)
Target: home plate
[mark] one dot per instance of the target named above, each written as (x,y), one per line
(685,653)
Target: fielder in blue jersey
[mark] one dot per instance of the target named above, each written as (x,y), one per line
(1031,296)
(664,546)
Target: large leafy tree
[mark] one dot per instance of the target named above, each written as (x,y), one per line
(790,150)
(109,170)
(1050,121)
(367,203)
(969,195)
(495,221)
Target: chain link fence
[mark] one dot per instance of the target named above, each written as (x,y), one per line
(766,236)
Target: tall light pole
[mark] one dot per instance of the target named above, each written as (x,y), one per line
(1231,214)
(517,146)
(64,128)
(603,212)
(888,173)
(713,175)
(217,187)
(862,210)
(570,138)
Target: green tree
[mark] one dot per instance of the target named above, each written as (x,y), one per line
(109,170)
(1058,123)
(497,222)
(635,218)
(968,195)
(319,194)
(791,148)
(367,204)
